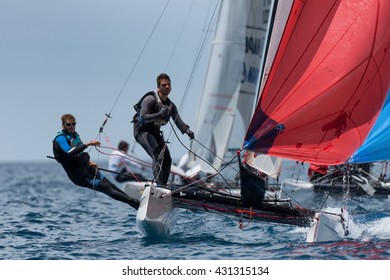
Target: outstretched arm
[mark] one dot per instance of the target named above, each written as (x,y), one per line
(74,151)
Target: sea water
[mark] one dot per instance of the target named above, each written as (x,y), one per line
(46,217)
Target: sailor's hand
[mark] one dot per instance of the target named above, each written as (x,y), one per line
(93,143)
(164,112)
(93,164)
(190,133)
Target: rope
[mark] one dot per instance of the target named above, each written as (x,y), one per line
(214,154)
(125,157)
(218,172)
(94,179)
(160,161)
(122,160)
(241,226)
(346,180)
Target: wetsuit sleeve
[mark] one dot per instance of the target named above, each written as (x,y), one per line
(69,151)
(177,119)
(146,112)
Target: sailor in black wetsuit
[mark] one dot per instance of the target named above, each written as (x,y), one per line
(68,150)
(154,110)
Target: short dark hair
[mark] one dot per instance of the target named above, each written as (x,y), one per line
(162,76)
(66,117)
(123,145)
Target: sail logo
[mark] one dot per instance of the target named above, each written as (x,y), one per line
(249,74)
(253,45)
(250,69)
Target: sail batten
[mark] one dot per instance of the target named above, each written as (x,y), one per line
(328,81)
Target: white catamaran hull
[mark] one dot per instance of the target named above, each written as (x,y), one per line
(327,227)
(156,214)
(134,189)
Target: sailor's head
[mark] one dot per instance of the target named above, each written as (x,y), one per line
(68,122)
(163,84)
(162,76)
(123,146)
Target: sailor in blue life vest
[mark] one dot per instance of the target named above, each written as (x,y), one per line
(68,149)
(154,110)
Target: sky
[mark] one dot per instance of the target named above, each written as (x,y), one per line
(94,57)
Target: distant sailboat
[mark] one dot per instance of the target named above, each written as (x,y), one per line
(376,151)
(367,168)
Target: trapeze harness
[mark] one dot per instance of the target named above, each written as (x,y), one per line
(148,134)
(152,122)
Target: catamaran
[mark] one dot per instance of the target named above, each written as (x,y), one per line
(324,74)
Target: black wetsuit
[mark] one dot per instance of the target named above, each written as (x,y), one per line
(68,150)
(147,124)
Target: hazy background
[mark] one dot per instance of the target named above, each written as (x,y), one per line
(74,56)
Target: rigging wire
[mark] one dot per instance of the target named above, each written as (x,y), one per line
(201,50)
(133,68)
(194,68)
(198,56)
(180,35)
(108,116)
(126,157)
(218,172)
(214,154)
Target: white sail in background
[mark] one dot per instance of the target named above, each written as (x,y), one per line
(264,163)
(231,82)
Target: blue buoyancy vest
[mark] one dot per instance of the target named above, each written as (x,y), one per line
(72,139)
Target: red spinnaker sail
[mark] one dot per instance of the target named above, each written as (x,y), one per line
(328,81)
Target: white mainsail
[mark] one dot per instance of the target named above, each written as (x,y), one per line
(231,82)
